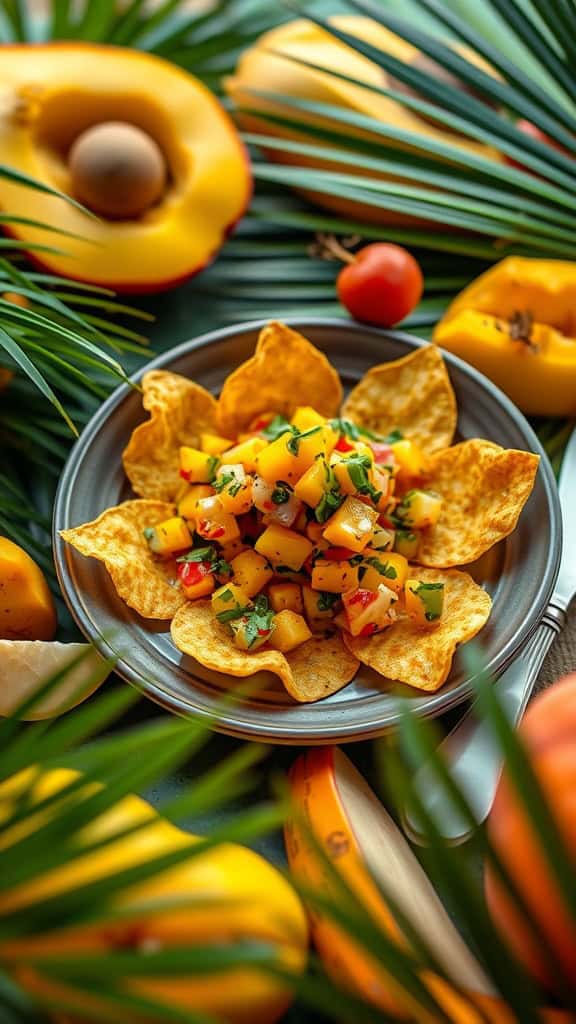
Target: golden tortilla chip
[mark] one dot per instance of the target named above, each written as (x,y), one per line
(484,488)
(412,394)
(180,411)
(422,657)
(117,539)
(285,371)
(314,670)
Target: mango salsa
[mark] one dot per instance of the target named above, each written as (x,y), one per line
(284,547)
(251,571)
(198,467)
(290,630)
(168,537)
(352,525)
(286,596)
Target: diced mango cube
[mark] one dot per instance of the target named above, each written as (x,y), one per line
(213,523)
(251,571)
(187,504)
(419,509)
(169,537)
(409,457)
(334,577)
(198,467)
(424,602)
(314,531)
(406,543)
(214,444)
(277,462)
(228,599)
(232,548)
(388,568)
(306,417)
(284,547)
(319,607)
(196,579)
(312,484)
(245,453)
(313,444)
(290,630)
(352,525)
(286,596)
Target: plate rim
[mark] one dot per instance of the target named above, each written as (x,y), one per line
(437,703)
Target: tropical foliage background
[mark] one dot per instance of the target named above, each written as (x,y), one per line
(72,344)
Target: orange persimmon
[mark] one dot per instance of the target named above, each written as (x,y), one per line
(549,734)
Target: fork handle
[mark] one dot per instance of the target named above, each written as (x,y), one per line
(471,753)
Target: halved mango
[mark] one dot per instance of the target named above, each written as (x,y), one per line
(53,94)
(263,73)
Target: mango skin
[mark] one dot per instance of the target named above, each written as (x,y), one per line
(257,904)
(539,377)
(27,609)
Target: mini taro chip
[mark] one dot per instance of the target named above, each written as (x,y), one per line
(285,371)
(422,656)
(116,538)
(180,410)
(313,670)
(413,395)
(483,489)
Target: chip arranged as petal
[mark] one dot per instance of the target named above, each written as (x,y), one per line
(422,657)
(312,671)
(413,394)
(484,488)
(180,411)
(285,371)
(116,538)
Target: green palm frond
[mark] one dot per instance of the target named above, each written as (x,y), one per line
(131,760)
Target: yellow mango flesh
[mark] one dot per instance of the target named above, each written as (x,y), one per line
(539,376)
(290,630)
(245,899)
(27,609)
(50,99)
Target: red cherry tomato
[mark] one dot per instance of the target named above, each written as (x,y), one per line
(382,285)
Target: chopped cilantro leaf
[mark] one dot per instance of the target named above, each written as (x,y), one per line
(294,443)
(212,463)
(353,431)
(278,426)
(281,493)
(383,568)
(230,614)
(331,499)
(198,555)
(394,436)
(357,467)
(149,532)
(326,601)
(222,481)
(218,566)
(259,620)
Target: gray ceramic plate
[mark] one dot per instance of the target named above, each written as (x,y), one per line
(519,573)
